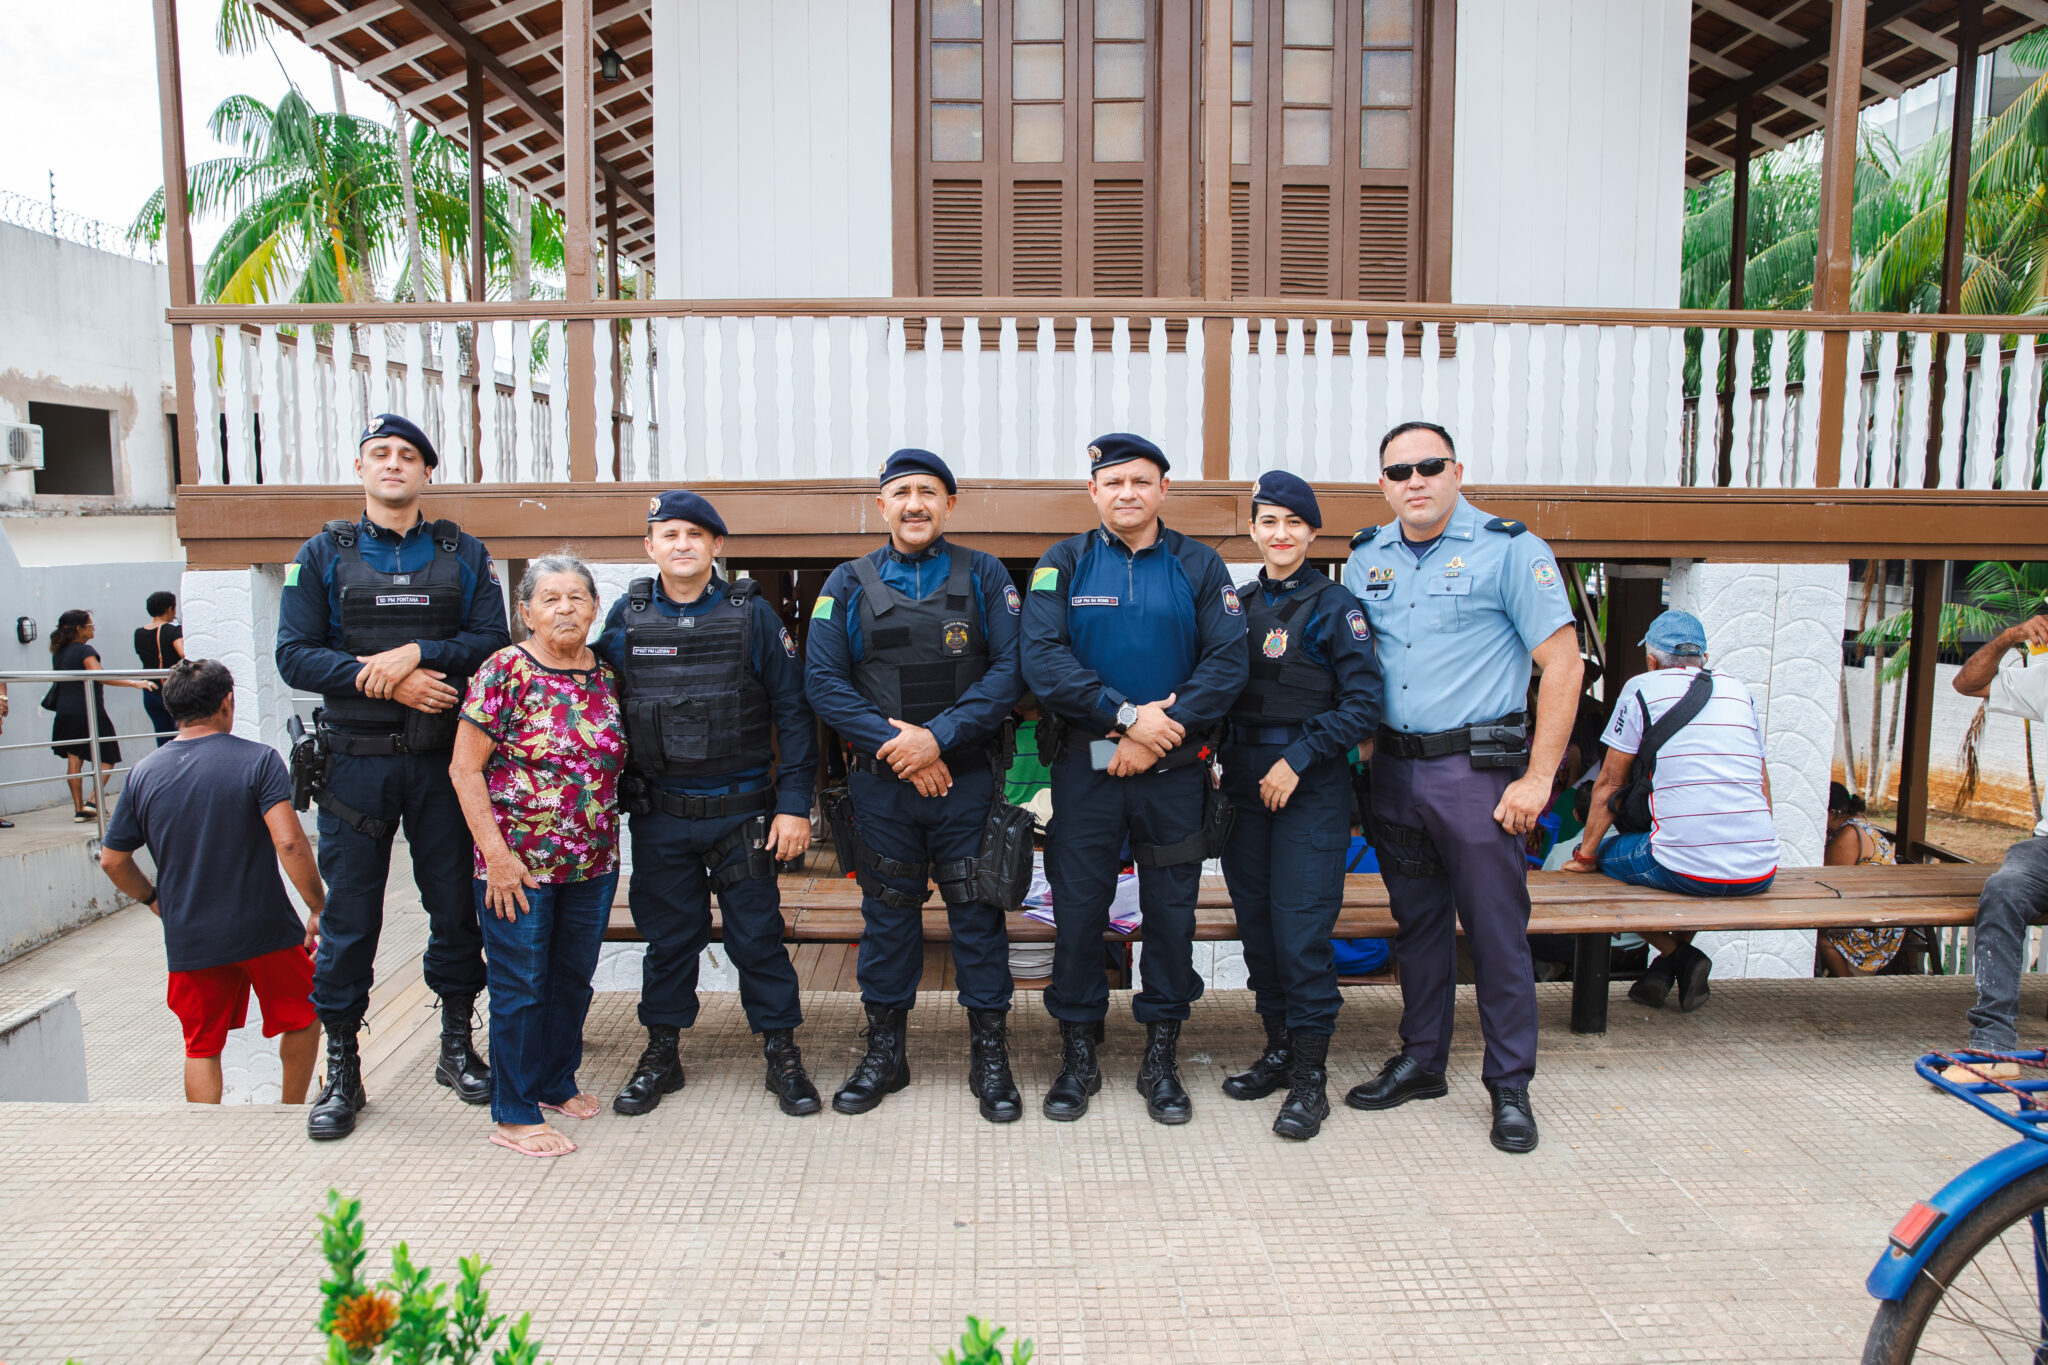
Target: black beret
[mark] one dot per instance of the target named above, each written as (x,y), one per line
(1119,446)
(391,424)
(1291,491)
(911,460)
(679,504)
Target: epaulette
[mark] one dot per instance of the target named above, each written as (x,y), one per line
(1513,528)
(1364,537)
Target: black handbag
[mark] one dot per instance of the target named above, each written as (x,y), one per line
(1631,805)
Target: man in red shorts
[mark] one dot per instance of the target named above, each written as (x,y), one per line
(204,805)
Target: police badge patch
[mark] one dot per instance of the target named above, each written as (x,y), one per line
(1011,601)
(788,645)
(654,503)
(1230,602)
(956,637)
(1546,576)
(1276,643)
(1356,620)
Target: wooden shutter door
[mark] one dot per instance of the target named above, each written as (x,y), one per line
(957,182)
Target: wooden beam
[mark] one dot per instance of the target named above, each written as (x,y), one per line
(170,94)
(1954,212)
(1215,104)
(1795,59)
(1751,20)
(1920,37)
(578,153)
(1929,579)
(478,290)
(1832,277)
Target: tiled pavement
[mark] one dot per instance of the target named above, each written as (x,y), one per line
(1710,1187)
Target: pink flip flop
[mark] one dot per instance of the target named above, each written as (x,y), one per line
(570,1113)
(500,1140)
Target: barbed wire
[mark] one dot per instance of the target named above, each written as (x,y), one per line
(39,215)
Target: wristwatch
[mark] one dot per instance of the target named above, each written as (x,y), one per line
(1126,717)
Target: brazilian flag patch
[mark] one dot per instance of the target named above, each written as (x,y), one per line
(291,575)
(1045,580)
(821,610)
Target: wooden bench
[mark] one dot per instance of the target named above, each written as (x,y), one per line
(1592,909)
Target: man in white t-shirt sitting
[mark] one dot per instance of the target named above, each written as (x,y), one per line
(2017,894)
(1710,828)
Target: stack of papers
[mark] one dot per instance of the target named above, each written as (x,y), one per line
(1124,915)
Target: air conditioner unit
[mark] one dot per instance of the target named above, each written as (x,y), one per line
(21,446)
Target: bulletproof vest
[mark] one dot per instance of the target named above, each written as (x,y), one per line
(381,611)
(1285,687)
(918,658)
(694,705)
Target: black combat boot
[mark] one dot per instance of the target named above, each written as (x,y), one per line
(460,1069)
(1079,1077)
(792,1089)
(1308,1099)
(341,1098)
(988,1067)
(658,1072)
(1267,1074)
(883,1069)
(1166,1099)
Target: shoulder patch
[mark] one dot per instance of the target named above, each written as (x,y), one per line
(1356,620)
(1513,528)
(291,574)
(1230,602)
(821,610)
(789,645)
(1045,578)
(1545,573)
(1011,600)
(491,568)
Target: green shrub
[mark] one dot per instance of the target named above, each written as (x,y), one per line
(978,1346)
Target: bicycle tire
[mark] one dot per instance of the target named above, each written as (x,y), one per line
(1896,1333)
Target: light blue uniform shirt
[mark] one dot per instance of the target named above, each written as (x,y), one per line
(1455,630)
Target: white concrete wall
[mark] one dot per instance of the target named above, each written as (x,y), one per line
(771,120)
(87,327)
(1777,627)
(42,1052)
(1569,152)
(2002,756)
(231,615)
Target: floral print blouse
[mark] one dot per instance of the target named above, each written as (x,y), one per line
(554,777)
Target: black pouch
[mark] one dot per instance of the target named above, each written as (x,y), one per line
(1500,746)
(1002,870)
(837,805)
(1052,740)
(636,793)
(1218,816)
(429,732)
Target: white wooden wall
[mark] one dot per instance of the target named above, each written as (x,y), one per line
(771,128)
(1568,164)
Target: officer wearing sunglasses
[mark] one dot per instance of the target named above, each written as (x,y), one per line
(1460,604)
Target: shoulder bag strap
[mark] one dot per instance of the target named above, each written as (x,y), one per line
(1697,694)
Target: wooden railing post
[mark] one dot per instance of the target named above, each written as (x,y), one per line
(1216,37)
(577,151)
(1834,386)
(1216,398)
(177,231)
(1929,579)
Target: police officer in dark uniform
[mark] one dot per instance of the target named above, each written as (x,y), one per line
(713,699)
(1134,643)
(385,618)
(1460,604)
(1314,693)
(912,659)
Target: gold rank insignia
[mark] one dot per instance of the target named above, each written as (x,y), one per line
(1457,562)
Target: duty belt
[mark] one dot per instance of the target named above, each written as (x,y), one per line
(712,807)
(1464,739)
(956,760)
(358,745)
(1265,734)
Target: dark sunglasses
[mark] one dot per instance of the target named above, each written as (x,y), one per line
(1431,467)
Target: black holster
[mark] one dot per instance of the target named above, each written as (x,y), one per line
(311,765)
(636,793)
(1052,736)
(759,862)
(1501,745)
(1209,838)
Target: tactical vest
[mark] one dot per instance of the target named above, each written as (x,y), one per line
(1285,687)
(918,658)
(694,705)
(381,611)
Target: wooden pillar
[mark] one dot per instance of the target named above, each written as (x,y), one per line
(1969,27)
(578,153)
(178,231)
(1216,236)
(1632,603)
(473,95)
(1928,579)
(1832,263)
(1738,258)
(611,326)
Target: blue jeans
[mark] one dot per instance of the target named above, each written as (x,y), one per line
(539,965)
(1626,858)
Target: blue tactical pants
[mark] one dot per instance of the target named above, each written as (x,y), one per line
(412,790)
(670,897)
(1094,815)
(1285,870)
(1485,887)
(897,823)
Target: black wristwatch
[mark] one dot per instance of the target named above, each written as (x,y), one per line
(1126,717)
(153,891)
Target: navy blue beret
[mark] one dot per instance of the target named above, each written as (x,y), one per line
(679,504)
(911,460)
(391,424)
(1281,489)
(1119,446)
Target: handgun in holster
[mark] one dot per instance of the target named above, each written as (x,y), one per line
(312,763)
(1500,745)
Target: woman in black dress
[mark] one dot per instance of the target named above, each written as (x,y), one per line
(70,738)
(160,644)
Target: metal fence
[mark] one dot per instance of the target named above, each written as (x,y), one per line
(94,679)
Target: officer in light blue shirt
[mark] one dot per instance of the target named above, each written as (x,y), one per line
(1461,603)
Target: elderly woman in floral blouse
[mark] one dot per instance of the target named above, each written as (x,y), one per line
(537,770)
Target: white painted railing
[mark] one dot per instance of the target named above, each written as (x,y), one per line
(743,397)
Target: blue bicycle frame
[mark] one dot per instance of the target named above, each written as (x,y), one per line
(1901,1262)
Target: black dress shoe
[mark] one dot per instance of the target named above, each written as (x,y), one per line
(1079,1076)
(1402,1079)
(883,1069)
(1514,1122)
(787,1080)
(1693,967)
(1308,1102)
(988,1067)
(341,1097)
(1166,1099)
(1269,1072)
(460,1068)
(1654,985)
(658,1072)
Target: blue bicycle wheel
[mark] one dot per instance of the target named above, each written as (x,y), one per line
(1983,1295)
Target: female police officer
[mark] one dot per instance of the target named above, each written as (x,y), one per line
(1314,692)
